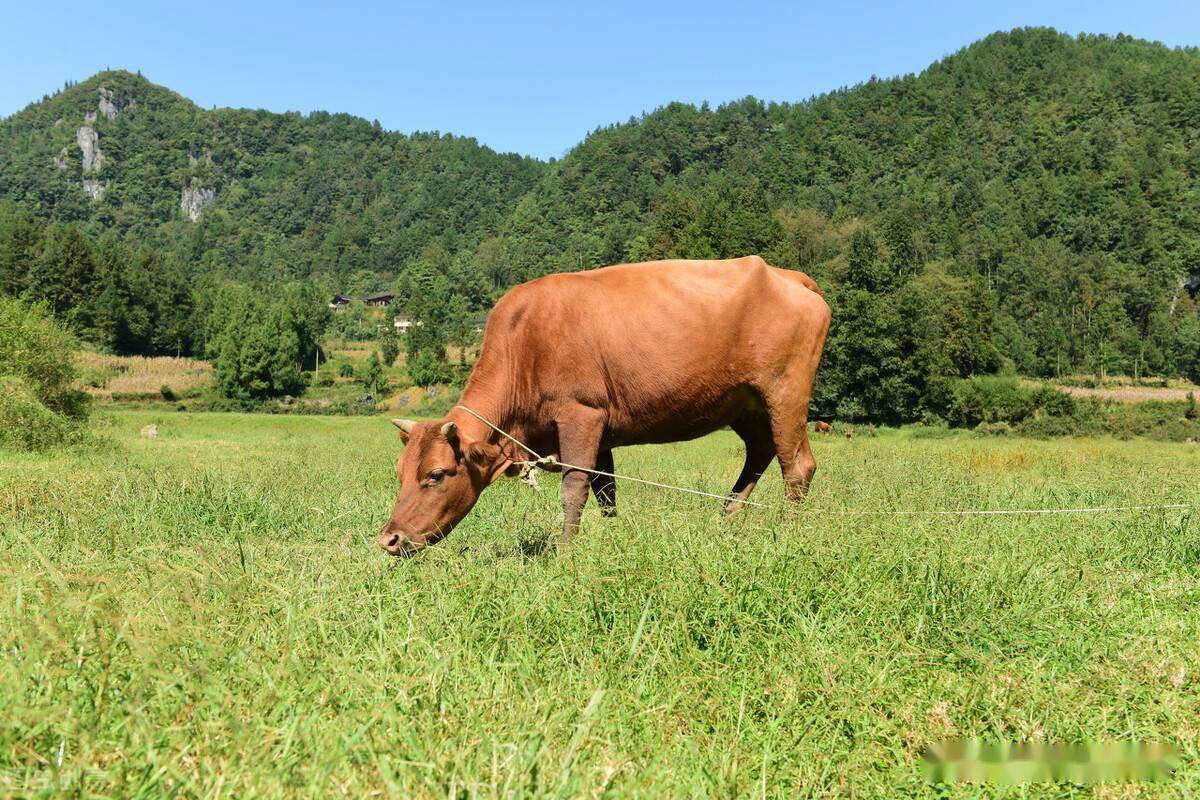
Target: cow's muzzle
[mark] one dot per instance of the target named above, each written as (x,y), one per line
(397,544)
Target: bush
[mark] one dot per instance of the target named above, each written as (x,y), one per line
(345,370)
(167,393)
(993,429)
(988,399)
(26,423)
(39,405)
(923,431)
(1047,427)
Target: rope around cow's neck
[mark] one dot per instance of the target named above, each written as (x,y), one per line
(543,462)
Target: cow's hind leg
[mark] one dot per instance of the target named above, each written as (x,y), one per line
(755,431)
(789,429)
(605,486)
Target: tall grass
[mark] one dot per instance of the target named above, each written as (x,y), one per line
(206,614)
(108,376)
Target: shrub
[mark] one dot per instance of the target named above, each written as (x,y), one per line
(1046,427)
(923,431)
(167,393)
(345,370)
(39,405)
(993,429)
(987,399)
(26,423)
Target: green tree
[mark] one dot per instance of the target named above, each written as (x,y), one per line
(389,345)
(372,374)
(64,275)
(20,243)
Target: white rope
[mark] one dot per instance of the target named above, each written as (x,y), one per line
(1015,511)
(545,461)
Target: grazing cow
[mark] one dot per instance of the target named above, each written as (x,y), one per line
(577,364)
(821,426)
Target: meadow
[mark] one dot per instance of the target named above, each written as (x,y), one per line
(205,614)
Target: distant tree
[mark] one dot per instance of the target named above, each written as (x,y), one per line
(258,352)
(424,369)
(372,375)
(20,243)
(64,275)
(389,345)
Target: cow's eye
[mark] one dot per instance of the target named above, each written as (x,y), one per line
(437,475)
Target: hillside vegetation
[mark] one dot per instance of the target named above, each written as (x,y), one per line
(1028,204)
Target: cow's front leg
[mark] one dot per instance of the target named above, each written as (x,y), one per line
(579,434)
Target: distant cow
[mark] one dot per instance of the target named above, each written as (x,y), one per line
(820,426)
(578,364)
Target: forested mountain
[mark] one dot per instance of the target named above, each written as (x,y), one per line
(1029,202)
(1059,171)
(252,193)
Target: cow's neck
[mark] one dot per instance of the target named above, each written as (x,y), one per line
(498,391)
(497,408)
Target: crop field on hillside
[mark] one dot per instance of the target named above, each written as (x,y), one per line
(110,377)
(206,614)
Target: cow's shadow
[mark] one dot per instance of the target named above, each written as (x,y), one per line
(533,545)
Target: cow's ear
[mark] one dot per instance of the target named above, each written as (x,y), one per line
(479,453)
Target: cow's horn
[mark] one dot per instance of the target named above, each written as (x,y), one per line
(405,425)
(450,431)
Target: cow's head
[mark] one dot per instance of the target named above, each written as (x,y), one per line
(442,472)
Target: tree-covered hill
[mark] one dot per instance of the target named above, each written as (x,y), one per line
(1059,171)
(252,193)
(1029,203)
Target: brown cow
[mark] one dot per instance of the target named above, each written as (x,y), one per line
(821,426)
(577,364)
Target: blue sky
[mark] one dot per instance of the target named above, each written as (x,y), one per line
(529,77)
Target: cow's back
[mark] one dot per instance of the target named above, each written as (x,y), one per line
(660,344)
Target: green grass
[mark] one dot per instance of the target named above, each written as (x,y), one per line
(206,615)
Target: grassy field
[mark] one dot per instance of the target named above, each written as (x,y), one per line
(205,614)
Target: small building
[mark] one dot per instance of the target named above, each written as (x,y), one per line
(403,323)
(339,302)
(379,299)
